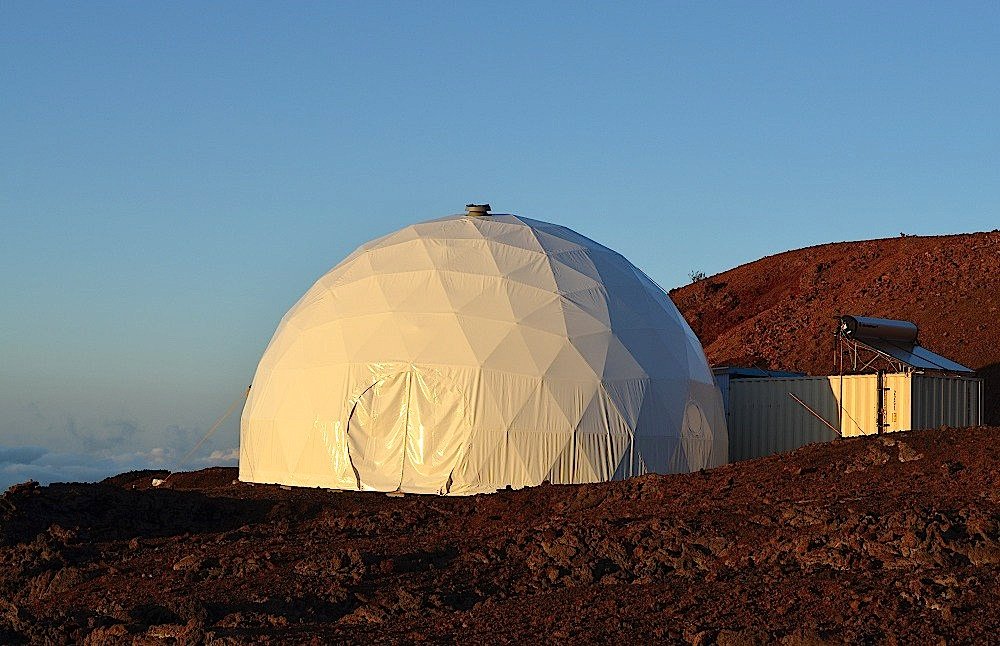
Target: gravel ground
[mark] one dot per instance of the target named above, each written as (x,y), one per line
(872,540)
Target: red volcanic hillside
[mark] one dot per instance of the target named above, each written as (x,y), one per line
(777,312)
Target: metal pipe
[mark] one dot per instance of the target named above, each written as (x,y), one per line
(815,414)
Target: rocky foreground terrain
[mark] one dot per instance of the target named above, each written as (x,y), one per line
(778,312)
(872,540)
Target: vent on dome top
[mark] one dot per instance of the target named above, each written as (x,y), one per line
(477,209)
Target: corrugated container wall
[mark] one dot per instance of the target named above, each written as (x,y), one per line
(946,400)
(763,418)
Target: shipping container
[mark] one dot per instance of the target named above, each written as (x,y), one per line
(770,415)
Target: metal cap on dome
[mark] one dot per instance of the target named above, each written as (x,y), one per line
(477,209)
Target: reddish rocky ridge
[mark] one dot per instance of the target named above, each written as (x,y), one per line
(778,312)
(892,539)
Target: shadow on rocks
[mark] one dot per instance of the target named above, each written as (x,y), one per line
(104,512)
(991,393)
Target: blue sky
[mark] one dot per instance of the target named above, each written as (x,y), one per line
(173,176)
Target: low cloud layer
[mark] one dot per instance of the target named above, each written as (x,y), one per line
(23,463)
(51,443)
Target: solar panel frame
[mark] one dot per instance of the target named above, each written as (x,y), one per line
(914,356)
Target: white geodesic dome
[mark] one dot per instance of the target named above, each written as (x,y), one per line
(469,353)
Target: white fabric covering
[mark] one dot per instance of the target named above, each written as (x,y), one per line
(469,353)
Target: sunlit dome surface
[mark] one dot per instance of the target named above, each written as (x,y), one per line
(469,353)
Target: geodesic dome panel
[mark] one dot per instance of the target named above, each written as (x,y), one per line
(469,353)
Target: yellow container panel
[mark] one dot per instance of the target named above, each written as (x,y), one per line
(860,404)
(898,398)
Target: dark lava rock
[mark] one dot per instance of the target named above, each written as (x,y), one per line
(787,549)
